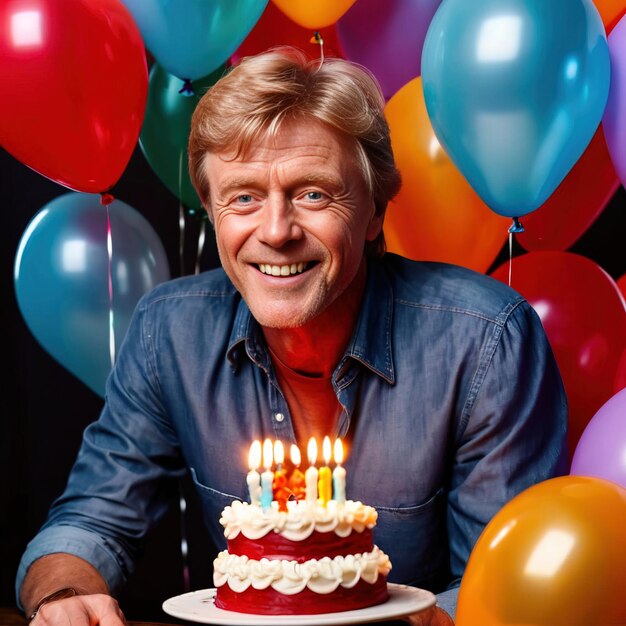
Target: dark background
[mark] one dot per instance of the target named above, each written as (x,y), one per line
(45,408)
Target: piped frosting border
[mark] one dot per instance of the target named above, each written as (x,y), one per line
(299,521)
(321,576)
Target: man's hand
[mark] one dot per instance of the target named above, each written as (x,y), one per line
(431,617)
(88,610)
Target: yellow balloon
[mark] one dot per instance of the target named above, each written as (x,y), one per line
(555,555)
(314,14)
(437,216)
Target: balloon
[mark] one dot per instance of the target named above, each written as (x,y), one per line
(276,29)
(436,216)
(513,96)
(611,11)
(576,203)
(614,118)
(314,15)
(554,555)
(601,450)
(387,38)
(584,316)
(191,39)
(62,112)
(61,279)
(165,132)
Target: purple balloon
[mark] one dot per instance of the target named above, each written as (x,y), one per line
(601,450)
(614,118)
(387,38)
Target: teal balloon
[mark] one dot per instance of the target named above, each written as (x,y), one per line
(515,90)
(192,38)
(166,125)
(61,279)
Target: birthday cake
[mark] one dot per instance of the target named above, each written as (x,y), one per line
(299,554)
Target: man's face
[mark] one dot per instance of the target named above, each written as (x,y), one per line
(291,220)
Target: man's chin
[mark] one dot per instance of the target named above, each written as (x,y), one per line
(281,318)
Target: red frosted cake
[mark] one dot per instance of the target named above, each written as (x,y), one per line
(308,559)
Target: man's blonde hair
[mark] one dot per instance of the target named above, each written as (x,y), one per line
(264,91)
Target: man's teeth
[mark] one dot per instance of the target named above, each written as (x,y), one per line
(282,270)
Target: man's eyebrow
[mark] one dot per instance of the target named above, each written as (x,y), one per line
(320,178)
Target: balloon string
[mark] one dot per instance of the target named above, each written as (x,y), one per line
(201,240)
(515,227)
(181,217)
(319,40)
(510,257)
(110,281)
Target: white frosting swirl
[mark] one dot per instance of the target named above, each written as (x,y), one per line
(290,577)
(299,521)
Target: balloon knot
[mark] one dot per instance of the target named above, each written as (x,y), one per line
(317,38)
(516,226)
(187,88)
(106,199)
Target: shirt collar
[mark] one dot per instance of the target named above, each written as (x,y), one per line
(371,342)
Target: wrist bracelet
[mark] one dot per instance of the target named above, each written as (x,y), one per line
(59,594)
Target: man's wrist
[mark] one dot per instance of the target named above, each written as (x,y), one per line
(59,594)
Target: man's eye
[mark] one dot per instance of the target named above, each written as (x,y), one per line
(314,195)
(244,198)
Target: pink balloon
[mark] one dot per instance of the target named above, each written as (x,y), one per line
(614,117)
(387,38)
(601,450)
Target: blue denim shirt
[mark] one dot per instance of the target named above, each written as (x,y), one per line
(452,404)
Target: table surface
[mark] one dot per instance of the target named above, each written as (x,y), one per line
(11,616)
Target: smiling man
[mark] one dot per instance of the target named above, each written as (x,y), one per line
(440,379)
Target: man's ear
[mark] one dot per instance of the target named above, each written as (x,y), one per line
(376,224)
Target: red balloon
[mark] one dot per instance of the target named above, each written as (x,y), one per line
(584,315)
(276,29)
(75,81)
(575,204)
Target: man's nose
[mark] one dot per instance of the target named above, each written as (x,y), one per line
(279,223)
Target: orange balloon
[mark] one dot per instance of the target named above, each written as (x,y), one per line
(610,11)
(314,14)
(437,216)
(555,555)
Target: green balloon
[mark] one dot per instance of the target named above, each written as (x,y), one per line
(166,126)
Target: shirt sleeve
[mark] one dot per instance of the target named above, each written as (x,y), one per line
(124,477)
(512,432)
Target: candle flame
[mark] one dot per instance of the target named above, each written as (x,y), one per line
(279,452)
(312,451)
(254,456)
(326,449)
(338,452)
(267,454)
(296,458)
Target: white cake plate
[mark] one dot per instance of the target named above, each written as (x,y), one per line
(199,606)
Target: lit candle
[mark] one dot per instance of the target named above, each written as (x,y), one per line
(296,480)
(310,476)
(254,478)
(324,483)
(339,474)
(267,477)
(279,486)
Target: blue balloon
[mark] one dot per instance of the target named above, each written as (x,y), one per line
(515,90)
(192,38)
(61,279)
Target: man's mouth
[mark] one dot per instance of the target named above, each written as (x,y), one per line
(283,270)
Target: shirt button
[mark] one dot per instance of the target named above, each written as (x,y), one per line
(279,417)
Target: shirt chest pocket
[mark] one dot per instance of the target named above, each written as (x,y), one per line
(415,539)
(213,503)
